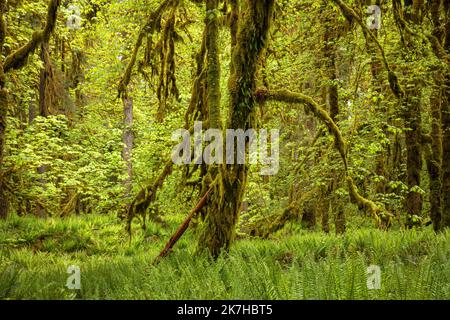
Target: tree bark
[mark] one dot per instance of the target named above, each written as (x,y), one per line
(331,36)
(413,138)
(434,156)
(413,125)
(223,210)
(446,127)
(128,138)
(3,113)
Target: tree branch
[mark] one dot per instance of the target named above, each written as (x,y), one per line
(150,26)
(285,95)
(293,97)
(392,77)
(183,227)
(18,58)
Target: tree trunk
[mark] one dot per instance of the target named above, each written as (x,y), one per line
(434,157)
(340,220)
(331,36)
(44,107)
(17,60)
(223,210)
(43,82)
(413,139)
(325,219)
(446,132)
(446,153)
(438,163)
(3,114)
(413,122)
(128,142)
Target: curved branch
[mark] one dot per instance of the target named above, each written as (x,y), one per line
(18,58)
(285,95)
(293,97)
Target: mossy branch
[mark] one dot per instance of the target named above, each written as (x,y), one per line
(392,77)
(18,58)
(431,39)
(183,227)
(149,27)
(147,195)
(294,97)
(285,95)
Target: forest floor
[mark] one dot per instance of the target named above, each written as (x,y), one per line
(35,255)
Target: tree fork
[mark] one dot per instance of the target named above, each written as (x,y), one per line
(251,40)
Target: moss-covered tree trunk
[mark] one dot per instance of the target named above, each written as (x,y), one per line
(446,144)
(413,139)
(223,209)
(333,31)
(434,155)
(44,90)
(44,109)
(446,122)
(434,152)
(3,113)
(413,121)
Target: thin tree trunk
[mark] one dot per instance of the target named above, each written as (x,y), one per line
(128,138)
(3,114)
(43,82)
(44,107)
(413,139)
(413,124)
(434,157)
(16,60)
(332,35)
(446,154)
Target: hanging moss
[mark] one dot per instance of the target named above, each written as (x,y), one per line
(293,97)
(223,207)
(51,87)
(197,110)
(18,58)
(153,24)
(392,77)
(140,206)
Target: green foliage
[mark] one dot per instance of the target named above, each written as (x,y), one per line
(34,256)
(74,162)
(69,166)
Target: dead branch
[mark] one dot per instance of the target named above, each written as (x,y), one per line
(183,227)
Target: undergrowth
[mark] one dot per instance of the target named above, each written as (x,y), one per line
(35,255)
